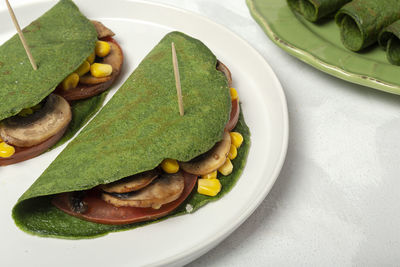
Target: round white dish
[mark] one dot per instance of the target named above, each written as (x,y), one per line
(138,27)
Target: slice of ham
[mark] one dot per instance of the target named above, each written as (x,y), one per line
(99,211)
(25,153)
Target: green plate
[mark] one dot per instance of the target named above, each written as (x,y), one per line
(319,45)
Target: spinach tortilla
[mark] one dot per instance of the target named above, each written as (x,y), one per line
(313,10)
(138,128)
(361,21)
(389,39)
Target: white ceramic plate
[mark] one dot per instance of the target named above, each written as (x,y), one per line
(138,27)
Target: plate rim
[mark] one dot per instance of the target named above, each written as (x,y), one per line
(200,249)
(288,44)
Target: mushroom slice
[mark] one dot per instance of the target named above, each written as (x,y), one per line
(165,189)
(114,58)
(38,127)
(102,31)
(224,69)
(132,183)
(211,160)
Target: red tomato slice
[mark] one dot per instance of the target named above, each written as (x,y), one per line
(83,91)
(234,116)
(25,153)
(102,212)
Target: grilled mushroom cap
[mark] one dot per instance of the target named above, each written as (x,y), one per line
(53,117)
(165,189)
(132,183)
(211,160)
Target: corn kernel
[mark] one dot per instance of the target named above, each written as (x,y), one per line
(234,94)
(91,58)
(232,152)
(100,70)
(227,168)
(25,112)
(208,187)
(102,48)
(170,165)
(6,150)
(83,69)
(236,139)
(212,175)
(70,82)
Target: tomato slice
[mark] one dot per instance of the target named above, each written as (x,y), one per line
(102,212)
(83,91)
(25,153)
(234,116)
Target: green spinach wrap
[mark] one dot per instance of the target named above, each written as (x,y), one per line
(361,21)
(32,118)
(389,39)
(314,10)
(135,137)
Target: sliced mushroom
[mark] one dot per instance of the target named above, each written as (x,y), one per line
(165,189)
(114,58)
(132,183)
(224,69)
(38,127)
(211,160)
(102,31)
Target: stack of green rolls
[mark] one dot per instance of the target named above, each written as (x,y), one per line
(362,23)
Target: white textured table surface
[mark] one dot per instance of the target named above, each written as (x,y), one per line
(336,202)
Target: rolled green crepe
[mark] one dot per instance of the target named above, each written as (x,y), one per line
(314,10)
(361,21)
(389,39)
(137,129)
(60,40)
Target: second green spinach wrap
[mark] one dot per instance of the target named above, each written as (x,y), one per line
(314,10)
(361,21)
(137,129)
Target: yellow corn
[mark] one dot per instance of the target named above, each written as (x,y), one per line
(212,175)
(232,152)
(26,112)
(102,48)
(209,187)
(234,94)
(170,165)
(236,139)
(84,68)
(91,58)
(6,150)
(100,70)
(227,168)
(70,82)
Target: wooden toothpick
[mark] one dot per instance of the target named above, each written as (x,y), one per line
(21,36)
(177,79)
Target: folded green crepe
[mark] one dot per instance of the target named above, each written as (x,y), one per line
(60,40)
(314,10)
(138,128)
(389,39)
(361,21)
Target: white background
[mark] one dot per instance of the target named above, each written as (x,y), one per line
(337,201)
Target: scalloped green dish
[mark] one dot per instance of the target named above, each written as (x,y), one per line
(319,45)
